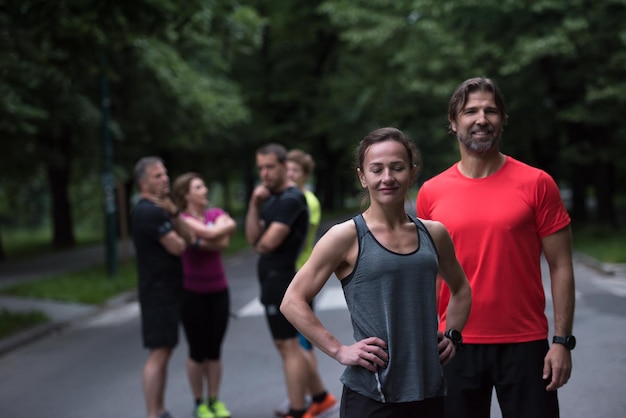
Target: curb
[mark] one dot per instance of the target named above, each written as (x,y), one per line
(22,338)
(29,335)
(607,269)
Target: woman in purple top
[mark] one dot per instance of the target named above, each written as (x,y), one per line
(205,300)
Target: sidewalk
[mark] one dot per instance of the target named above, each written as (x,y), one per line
(61,314)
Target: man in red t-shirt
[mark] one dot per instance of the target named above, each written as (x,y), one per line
(501,214)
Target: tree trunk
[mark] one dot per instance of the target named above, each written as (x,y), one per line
(326,176)
(3,254)
(226,191)
(63,231)
(603,184)
(580,175)
(579,181)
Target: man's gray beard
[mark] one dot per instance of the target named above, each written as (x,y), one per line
(478,147)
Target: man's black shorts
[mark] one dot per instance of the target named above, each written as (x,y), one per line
(160,323)
(280,327)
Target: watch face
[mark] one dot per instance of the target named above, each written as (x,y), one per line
(455,336)
(570,342)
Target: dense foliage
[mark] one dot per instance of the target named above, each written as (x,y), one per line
(203,83)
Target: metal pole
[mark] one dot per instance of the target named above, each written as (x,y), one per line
(108,179)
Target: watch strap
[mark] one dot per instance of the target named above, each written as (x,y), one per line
(568,341)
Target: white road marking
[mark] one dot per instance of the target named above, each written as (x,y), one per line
(252,308)
(331,298)
(328,299)
(114,316)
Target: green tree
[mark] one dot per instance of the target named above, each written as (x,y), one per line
(285,82)
(168,72)
(557,63)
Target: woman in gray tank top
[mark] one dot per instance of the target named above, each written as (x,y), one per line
(387,262)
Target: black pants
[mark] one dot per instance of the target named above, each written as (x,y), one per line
(355,405)
(205,319)
(514,370)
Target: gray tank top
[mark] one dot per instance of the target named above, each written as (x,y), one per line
(392,296)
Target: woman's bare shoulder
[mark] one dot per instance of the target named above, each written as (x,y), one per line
(345,229)
(435,228)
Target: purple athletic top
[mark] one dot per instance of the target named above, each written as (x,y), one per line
(203,270)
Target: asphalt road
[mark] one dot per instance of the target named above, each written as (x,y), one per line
(92,368)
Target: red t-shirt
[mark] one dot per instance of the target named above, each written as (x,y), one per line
(497,224)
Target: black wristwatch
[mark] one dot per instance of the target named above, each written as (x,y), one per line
(456,338)
(568,341)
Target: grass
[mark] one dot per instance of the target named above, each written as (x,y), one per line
(89,286)
(602,243)
(23,243)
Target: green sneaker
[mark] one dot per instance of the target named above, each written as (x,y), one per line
(219,410)
(203,411)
